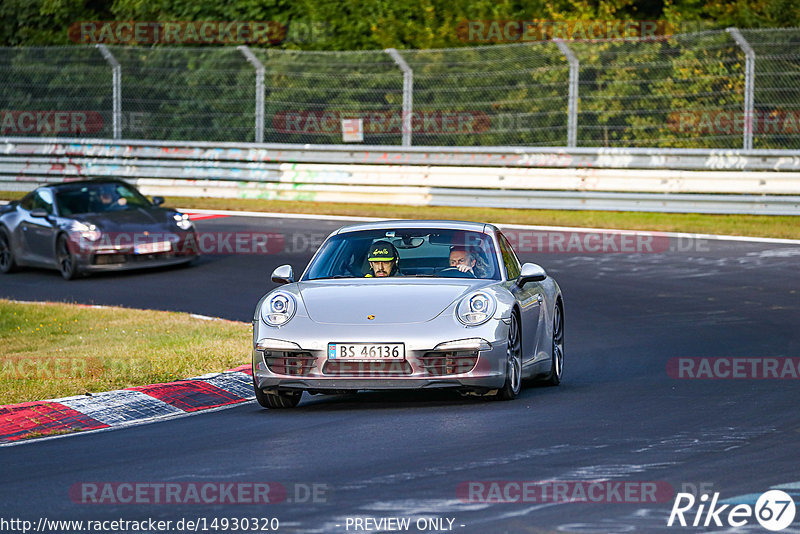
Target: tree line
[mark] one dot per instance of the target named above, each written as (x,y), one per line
(379,24)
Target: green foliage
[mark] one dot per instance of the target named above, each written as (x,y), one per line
(377,24)
(630,93)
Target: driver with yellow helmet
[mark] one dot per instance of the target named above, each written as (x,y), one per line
(382,259)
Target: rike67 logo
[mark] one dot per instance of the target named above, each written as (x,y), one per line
(774,510)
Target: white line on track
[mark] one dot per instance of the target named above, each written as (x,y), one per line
(309,216)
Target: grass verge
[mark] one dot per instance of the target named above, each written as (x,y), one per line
(786,227)
(56,350)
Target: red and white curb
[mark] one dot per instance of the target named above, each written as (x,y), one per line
(124,407)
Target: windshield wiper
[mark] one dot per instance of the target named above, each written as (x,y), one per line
(330,277)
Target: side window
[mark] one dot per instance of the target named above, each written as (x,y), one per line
(27,202)
(509,258)
(43,199)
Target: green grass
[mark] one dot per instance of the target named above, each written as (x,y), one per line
(787,227)
(53,350)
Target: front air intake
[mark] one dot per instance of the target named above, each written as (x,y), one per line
(289,363)
(443,363)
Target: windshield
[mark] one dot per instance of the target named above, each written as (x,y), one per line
(417,252)
(98,198)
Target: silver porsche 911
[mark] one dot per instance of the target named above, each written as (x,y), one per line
(408,305)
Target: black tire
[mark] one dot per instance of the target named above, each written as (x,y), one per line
(513,383)
(65,258)
(281,399)
(557,351)
(7,263)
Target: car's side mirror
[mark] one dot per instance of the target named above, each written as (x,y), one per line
(157,201)
(283,275)
(530,272)
(39,213)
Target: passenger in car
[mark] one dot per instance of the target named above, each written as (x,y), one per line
(466,260)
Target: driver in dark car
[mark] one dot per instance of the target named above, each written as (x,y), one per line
(110,200)
(382,259)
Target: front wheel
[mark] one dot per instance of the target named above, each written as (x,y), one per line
(281,399)
(66,259)
(557,356)
(7,263)
(513,383)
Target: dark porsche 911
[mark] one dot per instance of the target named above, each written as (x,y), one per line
(80,227)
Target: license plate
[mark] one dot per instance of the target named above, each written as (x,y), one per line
(366,352)
(152,248)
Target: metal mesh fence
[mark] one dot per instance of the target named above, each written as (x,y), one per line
(688,90)
(492,95)
(307,94)
(37,83)
(186,93)
(661,93)
(777,87)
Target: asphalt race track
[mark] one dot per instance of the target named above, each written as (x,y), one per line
(618,416)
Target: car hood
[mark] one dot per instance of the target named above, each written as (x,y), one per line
(130,220)
(388,301)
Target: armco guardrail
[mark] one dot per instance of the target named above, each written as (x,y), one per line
(679,180)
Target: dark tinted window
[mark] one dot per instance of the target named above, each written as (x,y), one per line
(98,198)
(27,202)
(39,199)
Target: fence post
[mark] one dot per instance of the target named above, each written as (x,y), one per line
(116,90)
(572,99)
(749,86)
(408,93)
(248,54)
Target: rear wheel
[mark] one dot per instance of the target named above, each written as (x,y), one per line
(513,382)
(281,399)
(557,353)
(66,259)
(7,263)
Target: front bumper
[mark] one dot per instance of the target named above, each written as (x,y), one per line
(131,261)
(91,257)
(423,367)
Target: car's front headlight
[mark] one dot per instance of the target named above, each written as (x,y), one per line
(182,220)
(476,308)
(278,309)
(90,232)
